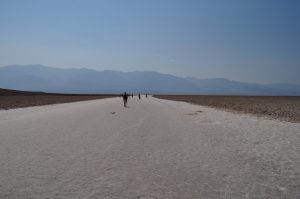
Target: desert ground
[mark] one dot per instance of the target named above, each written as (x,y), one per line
(155,148)
(277,107)
(10,99)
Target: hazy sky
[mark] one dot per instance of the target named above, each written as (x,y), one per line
(244,40)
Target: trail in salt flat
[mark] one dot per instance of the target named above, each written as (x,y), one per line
(153,149)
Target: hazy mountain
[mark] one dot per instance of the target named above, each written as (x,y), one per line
(48,79)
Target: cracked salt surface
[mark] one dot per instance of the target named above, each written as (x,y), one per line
(150,150)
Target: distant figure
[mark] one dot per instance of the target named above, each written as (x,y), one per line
(146,95)
(132,95)
(125,99)
(139,96)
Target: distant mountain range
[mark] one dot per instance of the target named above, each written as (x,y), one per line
(87,81)
(6,92)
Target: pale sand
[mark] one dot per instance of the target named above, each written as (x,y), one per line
(153,149)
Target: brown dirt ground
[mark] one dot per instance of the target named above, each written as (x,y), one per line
(10,99)
(278,107)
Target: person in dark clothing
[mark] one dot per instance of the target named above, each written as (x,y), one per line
(146,95)
(125,99)
(139,96)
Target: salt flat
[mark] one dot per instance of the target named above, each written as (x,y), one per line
(153,149)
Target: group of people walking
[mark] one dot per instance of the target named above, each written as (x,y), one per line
(125,97)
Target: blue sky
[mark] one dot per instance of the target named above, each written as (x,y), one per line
(251,41)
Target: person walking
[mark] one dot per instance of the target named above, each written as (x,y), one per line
(125,99)
(139,96)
